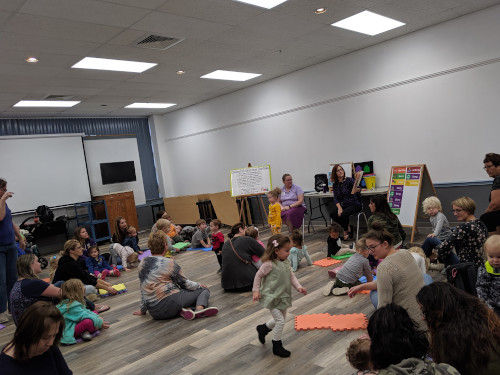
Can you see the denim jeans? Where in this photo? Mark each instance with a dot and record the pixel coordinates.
(429, 244)
(8, 273)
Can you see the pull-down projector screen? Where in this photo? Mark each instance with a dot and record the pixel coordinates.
(44, 170)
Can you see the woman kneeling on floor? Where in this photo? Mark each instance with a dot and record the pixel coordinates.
(165, 291)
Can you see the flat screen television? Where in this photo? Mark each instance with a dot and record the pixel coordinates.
(112, 173)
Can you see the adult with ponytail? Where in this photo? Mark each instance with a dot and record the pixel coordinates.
(399, 279)
(238, 272)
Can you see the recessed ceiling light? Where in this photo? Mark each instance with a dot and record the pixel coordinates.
(320, 11)
(32, 60)
(230, 76)
(368, 23)
(150, 105)
(111, 64)
(181, 72)
(45, 103)
(268, 4)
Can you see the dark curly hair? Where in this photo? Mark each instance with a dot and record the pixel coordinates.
(464, 331)
(394, 337)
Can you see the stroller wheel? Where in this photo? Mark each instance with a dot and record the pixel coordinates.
(43, 262)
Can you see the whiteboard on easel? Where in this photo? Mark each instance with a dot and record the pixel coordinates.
(251, 181)
(408, 187)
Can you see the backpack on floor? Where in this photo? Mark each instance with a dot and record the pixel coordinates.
(463, 276)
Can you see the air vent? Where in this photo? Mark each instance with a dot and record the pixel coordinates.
(58, 97)
(156, 42)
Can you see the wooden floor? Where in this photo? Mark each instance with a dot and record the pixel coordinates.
(225, 344)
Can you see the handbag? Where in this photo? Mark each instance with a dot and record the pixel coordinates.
(240, 258)
(463, 276)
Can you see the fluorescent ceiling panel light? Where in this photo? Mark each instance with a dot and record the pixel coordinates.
(45, 103)
(368, 23)
(111, 64)
(268, 4)
(230, 76)
(150, 105)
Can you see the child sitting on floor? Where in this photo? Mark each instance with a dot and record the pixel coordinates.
(298, 251)
(440, 226)
(358, 355)
(98, 266)
(355, 267)
(254, 233)
(164, 226)
(131, 240)
(488, 277)
(200, 237)
(217, 241)
(175, 231)
(79, 322)
(127, 255)
(334, 242)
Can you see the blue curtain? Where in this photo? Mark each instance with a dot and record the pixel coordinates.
(95, 126)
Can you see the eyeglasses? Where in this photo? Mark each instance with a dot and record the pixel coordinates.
(486, 167)
(457, 211)
(373, 247)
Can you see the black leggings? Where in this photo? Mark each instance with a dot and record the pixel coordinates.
(343, 219)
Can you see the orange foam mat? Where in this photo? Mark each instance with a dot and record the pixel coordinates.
(327, 262)
(334, 322)
(364, 292)
(313, 321)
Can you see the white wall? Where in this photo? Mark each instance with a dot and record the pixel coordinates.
(109, 150)
(429, 97)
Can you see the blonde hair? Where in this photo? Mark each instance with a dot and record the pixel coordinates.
(70, 245)
(432, 202)
(162, 224)
(274, 243)
(276, 192)
(23, 264)
(493, 242)
(132, 258)
(252, 232)
(157, 242)
(130, 229)
(360, 245)
(466, 204)
(420, 251)
(53, 262)
(72, 290)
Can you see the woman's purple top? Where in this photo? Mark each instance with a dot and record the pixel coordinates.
(292, 196)
(342, 193)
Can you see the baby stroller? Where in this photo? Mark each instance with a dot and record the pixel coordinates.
(32, 248)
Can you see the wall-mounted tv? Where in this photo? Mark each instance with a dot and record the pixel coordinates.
(112, 173)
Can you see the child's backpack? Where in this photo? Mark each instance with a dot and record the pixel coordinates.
(45, 214)
(463, 276)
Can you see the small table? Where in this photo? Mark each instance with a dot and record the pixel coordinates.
(320, 196)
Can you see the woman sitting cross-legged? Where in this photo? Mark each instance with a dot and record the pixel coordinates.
(165, 291)
(33, 349)
(28, 288)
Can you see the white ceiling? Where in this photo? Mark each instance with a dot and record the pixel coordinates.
(218, 34)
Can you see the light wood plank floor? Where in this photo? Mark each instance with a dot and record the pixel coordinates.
(225, 344)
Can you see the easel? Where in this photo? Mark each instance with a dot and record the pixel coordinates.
(244, 203)
(411, 184)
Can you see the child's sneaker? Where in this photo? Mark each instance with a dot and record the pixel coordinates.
(4, 318)
(327, 289)
(340, 291)
(187, 314)
(206, 312)
(86, 336)
(115, 272)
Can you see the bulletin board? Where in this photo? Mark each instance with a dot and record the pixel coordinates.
(251, 181)
(408, 187)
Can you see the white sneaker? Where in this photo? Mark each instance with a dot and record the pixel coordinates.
(340, 291)
(327, 289)
(4, 318)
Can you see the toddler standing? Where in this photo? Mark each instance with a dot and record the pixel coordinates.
(348, 276)
(217, 241)
(488, 277)
(98, 266)
(274, 218)
(440, 226)
(273, 288)
(79, 322)
(298, 251)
